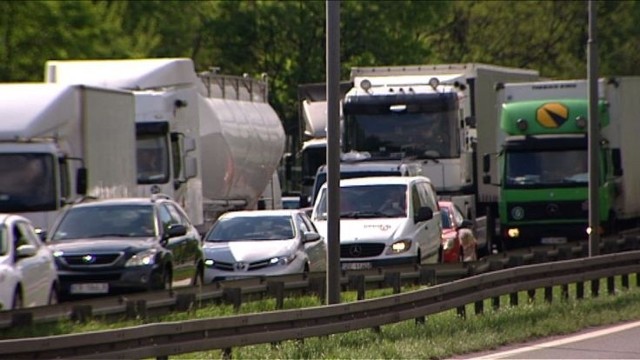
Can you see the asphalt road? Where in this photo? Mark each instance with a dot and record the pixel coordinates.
(620, 341)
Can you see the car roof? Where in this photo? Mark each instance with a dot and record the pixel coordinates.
(259, 213)
(4, 217)
(382, 180)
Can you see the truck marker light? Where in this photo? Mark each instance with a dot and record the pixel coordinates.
(581, 122)
(522, 124)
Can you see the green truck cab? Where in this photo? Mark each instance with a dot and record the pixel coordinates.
(542, 163)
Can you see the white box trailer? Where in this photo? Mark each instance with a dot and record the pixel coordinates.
(54, 130)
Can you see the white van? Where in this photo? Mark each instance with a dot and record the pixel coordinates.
(388, 220)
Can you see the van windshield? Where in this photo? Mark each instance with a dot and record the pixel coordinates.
(368, 201)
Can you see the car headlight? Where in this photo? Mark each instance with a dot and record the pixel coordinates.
(448, 243)
(400, 246)
(282, 260)
(209, 262)
(143, 258)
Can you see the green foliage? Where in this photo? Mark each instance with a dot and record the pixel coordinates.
(286, 39)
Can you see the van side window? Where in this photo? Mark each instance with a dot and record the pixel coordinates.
(416, 203)
(426, 199)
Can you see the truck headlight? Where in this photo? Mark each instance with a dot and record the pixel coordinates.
(400, 246)
(143, 258)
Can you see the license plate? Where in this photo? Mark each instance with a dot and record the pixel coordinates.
(92, 288)
(554, 240)
(356, 266)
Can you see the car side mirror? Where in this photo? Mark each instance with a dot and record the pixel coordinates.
(42, 234)
(311, 237)
(424, 213)
(466, 224)
(175, 230)
(24, 251)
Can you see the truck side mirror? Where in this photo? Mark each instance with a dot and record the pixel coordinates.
(304, 201)
(190, 167)
(486, 163)
(470, 121)
(288, 165)
(81, 181)
(616, 158)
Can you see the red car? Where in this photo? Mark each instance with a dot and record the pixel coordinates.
(458, 240)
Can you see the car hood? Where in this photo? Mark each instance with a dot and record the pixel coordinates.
(101, 245)
(248, 251)
(361, 230)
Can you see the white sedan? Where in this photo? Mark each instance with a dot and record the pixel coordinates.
(262, 243)
(28, 275)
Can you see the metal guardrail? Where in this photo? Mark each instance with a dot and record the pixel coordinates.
(164, 339)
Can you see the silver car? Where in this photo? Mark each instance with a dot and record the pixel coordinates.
(262, 243)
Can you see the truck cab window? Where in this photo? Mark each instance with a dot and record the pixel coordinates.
(26, 182)
(152, 159)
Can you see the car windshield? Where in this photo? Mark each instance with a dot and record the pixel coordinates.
(252, 228)
(446, 219)
(368, 201)
(120, 221)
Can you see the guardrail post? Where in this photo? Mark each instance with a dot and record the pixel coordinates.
(478, 307)
(186, 302)
(611, 285)
(513, 299)
(428, 276)
(580, 290)
(276, 289)
(356, 282)
(462, 311)
(531, 295)
(318, 285)
(21, 319)
(548, 294)
(81, 313)
(495, 302)
(595, 287)
(564, 291)
(625, 281)
(136, 309)
(232, 296)
(226, 354)
(393, 280)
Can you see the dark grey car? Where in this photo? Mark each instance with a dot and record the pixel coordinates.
(121, 245)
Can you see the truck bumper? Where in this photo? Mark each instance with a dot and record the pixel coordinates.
(518, 236)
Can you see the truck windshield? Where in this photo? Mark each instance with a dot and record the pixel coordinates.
(369, 201)
(404, 134)
(27, 182)
(544, 168)
(153, 158)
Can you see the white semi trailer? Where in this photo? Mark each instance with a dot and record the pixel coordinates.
(59, 143)
(217, 142)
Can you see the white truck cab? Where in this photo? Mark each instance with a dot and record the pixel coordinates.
(390, 220)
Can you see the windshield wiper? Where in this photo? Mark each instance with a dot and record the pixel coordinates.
(108, 235)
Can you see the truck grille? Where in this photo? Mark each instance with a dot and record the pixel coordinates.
(569, 210)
